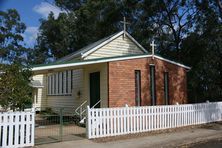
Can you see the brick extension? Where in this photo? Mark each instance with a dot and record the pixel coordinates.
(121, 82)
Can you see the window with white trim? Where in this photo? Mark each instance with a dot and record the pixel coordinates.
(60, 83)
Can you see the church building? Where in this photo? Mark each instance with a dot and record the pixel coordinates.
(111, 72)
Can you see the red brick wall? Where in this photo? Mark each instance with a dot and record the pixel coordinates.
(122, 82)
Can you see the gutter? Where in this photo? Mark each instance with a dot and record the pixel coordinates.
(96, 61)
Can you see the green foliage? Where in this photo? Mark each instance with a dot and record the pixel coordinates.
(168, 22)
(15, 92)
(84, 23)
(186, 31)
(203, 50)
(11, 28)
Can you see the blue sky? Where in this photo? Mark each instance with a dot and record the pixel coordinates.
(30, 12)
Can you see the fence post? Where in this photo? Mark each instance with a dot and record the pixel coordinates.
(208, 113)
(33, 126)
(61, 124)
(88, 123)
(127, 119)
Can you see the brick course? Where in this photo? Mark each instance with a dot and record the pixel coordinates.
(122, 82)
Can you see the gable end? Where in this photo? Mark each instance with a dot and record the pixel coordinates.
(118, 46)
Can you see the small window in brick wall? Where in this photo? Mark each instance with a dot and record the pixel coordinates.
(166, 88)
(60, 83)
(138, 87)
(152, 85)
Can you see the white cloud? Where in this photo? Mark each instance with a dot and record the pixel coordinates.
(30, 36)
(45, 8)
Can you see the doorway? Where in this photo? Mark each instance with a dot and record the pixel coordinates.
(94, 89)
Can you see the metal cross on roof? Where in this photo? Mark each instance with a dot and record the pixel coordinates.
(124, 25)
(153, 45)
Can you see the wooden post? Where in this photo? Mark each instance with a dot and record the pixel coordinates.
(88, 123)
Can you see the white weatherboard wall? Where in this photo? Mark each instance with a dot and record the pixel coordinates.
(81, 84)
(118, 47)
(17, 129)
(80, 91)
(41, 92)
(102, 68)
(68, 101)
(106, 122)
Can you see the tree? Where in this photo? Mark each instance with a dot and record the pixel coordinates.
(85, 22)
(187, 31)
(11, 28)
(203, 51)
(168, 22)
(15, 92)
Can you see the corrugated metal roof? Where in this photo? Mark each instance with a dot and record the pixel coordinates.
(89, 60)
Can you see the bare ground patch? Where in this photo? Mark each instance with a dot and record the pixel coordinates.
(213, 126)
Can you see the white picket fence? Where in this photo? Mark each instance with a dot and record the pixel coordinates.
(103, 122)
(17, 129)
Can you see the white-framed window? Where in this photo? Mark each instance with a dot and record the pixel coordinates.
(60, 83)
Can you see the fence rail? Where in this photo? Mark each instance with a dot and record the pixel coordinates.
(105, 122)
(17, 129)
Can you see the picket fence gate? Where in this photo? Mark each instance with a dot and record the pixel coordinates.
(17, 129)
(103, 122)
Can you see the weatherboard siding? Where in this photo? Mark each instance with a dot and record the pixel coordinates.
(80, 91)
(72, 101)
(41, 102)
(118, 47)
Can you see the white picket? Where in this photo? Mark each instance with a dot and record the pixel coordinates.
(33, 127)
(144, 119)
(134, 119)
(28, 128)
(17, 129)
(10, 128)
(5, 131)
(128, 120)
(111, 122)
(118, 121)
(101, 122)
